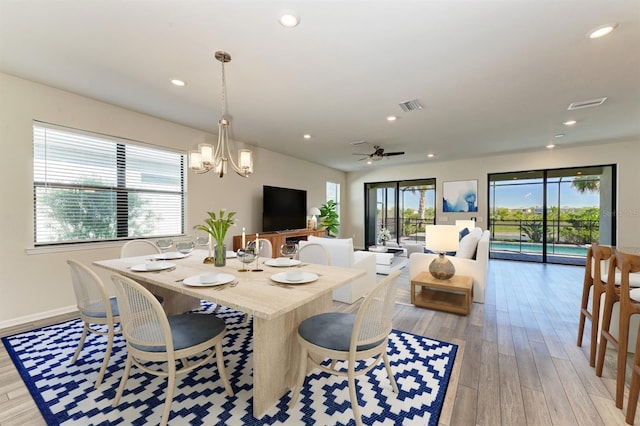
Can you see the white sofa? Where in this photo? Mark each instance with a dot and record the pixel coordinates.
(342, 254)
(476, 268)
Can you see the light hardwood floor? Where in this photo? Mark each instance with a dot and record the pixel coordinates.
(517, 363)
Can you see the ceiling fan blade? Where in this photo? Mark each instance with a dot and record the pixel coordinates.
(389, 154)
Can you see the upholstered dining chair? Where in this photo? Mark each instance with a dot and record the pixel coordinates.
(152, 336)
(349, 337)
(139, 248)
(314, 253)
(96, 308)
(264, 247)
(595, 278)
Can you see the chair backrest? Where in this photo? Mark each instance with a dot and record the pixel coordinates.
(143, 322)
(340, 249)
(314, 253)
(265, 249)
(601, 263)
(373, 321)
(91, 296)
(139, 248)
(627, 263)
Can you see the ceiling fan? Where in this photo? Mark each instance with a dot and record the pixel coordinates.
(378, 154)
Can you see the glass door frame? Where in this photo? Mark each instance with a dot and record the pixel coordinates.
(545, 175)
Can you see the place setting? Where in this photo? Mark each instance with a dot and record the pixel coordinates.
(294, 276)
(210, 279)
(153, 266)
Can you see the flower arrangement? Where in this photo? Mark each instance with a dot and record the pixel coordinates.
(384, 235)
(217, 226)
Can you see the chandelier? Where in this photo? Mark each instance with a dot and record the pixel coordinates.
(206, 158)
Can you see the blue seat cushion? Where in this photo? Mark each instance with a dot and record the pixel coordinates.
(96, 310)
(331, 330)
(189, 330)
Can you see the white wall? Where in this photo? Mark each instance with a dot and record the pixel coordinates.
(625, 154)
(33, 284)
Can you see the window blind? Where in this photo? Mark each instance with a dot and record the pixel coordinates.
(91, 187)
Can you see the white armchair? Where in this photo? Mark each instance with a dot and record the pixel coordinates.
(342, 254)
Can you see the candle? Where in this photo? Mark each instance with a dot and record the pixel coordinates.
(244, 240)
(210, 245)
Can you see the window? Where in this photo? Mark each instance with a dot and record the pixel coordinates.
(91, 187)
(333, 193)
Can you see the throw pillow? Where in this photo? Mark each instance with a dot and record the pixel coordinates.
(467, 247)
(462, 233)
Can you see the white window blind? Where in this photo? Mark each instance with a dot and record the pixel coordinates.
(90, 187)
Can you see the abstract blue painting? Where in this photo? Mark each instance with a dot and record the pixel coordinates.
(460, 196)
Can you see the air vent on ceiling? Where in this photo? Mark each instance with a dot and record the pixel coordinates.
(586, 104)
(358, 143)
(412, 105)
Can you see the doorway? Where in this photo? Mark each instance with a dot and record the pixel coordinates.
(552, 215)
(401, 207)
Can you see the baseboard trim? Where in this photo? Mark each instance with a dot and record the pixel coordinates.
(30, 322)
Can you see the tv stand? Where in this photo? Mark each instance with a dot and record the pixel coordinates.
(279, 238)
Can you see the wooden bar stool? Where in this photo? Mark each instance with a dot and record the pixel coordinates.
(597, 256)
(627, 263)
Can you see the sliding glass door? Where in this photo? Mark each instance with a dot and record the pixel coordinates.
(551, 215)
(402, 207)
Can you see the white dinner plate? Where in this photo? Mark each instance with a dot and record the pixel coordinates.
(194, 281)
(307, 277)
(282, 262)
(170, 255)
(152, 266)
(231, 254)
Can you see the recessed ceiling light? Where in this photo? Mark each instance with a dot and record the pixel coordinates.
(392, 118)
(178, 83)
(307, 136)
(570, 122)
(288, 19)
(430, 155)
(602, 30)
(550, 146)
(369, 161)
(559, 135)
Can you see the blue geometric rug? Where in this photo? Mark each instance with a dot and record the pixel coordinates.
(65, 395)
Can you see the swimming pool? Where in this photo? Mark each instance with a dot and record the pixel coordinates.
(560, 249)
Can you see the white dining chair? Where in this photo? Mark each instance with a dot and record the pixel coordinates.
(314, 253)
(135, 248)
(264, 247)
(96, 308)
(340, 336)
(152, 336)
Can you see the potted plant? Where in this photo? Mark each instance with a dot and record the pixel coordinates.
(216, 226)
(329, 218)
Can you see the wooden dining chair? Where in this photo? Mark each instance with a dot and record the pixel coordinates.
(595, 278)
(631, 263)
(348, 337)
(313, 253)
(152, 336)
(96, 308)
(614, 293)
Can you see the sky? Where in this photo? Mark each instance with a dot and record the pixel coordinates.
(519, 196)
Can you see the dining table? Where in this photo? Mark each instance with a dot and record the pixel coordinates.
(276, 305)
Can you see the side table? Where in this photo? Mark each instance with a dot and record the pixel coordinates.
(453, 295)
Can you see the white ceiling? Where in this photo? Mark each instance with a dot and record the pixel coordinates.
(493, 76)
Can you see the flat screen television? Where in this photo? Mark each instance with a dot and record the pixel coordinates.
(283, 209)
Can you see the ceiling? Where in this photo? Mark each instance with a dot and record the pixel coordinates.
(492, 76)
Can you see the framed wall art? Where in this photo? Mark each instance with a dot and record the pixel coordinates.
(460, 196)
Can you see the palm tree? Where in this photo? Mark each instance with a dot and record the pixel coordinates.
(584, 184)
